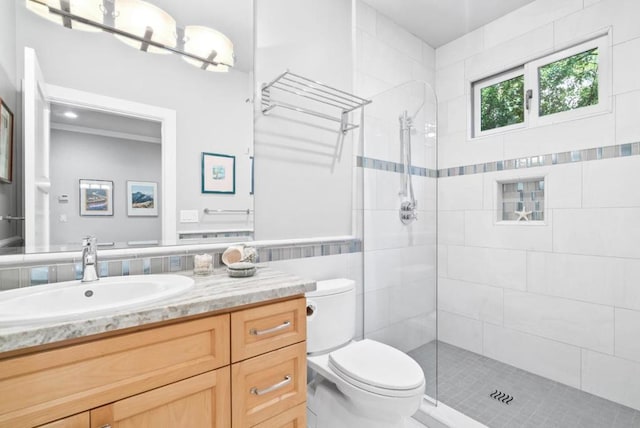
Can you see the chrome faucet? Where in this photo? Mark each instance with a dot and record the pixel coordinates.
(89, 259)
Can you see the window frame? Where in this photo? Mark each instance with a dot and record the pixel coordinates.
(604, 81)
(529, 68)
(479, 85)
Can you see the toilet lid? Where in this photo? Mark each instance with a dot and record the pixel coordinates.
(368, 362)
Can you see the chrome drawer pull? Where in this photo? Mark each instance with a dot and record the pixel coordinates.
(282, 326)
(256, 391)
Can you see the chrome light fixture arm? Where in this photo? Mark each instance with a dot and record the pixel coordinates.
(109, 26)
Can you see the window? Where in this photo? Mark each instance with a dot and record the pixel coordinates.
(562, 86)
(568, 83)
(500, 103)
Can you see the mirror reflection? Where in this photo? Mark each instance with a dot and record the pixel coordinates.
(115, 163)
(143, 193)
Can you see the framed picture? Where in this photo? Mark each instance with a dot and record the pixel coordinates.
(96, 197)
(218, 173)
(142, 198)
(6, 143)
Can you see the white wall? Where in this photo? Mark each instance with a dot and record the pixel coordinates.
(76, 156)
(212, 112)
(399, 260)
(303, 165)
(561, 299)
(8, 93)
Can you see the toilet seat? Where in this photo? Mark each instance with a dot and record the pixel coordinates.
(377, 368)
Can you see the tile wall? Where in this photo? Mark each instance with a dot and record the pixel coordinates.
(399, 260)
(560, 298)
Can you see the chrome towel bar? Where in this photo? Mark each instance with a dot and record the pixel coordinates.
(303, 87)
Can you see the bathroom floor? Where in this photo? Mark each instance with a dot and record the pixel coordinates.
(466, 380)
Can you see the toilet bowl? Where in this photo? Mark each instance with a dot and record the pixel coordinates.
(355, 383)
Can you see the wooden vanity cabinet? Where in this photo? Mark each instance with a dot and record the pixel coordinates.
(80, 420)
(178, 375)
(269, 362)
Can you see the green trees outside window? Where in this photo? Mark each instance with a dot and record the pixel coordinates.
(569, 83)
(502, 104)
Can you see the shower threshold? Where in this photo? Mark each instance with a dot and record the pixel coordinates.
(472, 384)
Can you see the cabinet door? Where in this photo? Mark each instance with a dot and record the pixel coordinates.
(80, 420)
(51, 385)
(203, 401)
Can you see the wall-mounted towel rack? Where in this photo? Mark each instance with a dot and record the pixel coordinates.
(210, 211)
(304, 87)
(9, 218)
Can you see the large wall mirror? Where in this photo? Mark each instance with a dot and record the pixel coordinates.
(136, 148)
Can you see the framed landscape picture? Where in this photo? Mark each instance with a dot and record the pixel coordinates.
(6, 143)
(142, 198)
(96, 197)
(218, 173)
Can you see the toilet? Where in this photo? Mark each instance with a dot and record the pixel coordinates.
(354, 383)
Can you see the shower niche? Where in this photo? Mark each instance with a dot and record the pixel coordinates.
(521, 200)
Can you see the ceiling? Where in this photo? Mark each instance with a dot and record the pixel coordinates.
(103, 123)
(438, 22)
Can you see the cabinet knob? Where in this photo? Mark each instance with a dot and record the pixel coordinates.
(106, 426)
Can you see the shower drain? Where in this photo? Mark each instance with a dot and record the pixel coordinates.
(501, 396)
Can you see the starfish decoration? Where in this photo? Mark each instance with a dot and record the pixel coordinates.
(523, 215)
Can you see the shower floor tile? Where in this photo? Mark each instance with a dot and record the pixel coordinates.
(466, 379)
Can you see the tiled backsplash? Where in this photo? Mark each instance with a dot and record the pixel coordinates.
(35, 275)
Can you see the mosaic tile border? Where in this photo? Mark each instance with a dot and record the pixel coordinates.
(584, 155)
(382, 165)
(25, 276)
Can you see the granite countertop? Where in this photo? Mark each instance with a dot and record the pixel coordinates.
(211, 293)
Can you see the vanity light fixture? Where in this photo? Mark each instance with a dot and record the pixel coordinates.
(87, 9)
(143, 26)
(147, 22)
(208, 43)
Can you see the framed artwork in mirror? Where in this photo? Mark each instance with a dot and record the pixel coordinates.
(142, 198)
(96, 197)
(6, 143)
(218, 173)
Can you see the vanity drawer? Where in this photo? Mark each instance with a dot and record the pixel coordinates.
(292, 418)
(92, 374)
(259, 330)
(266, 386)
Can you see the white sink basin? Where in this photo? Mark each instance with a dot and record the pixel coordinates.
(71, 300)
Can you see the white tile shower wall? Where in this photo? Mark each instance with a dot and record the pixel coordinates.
(571, 306)
(538, 355)
(399, 277)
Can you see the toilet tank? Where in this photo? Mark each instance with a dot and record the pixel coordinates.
(331, 315)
